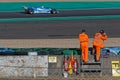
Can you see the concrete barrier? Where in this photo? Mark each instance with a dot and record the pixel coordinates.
(23, 66)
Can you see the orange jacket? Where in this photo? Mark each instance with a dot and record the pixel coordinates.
(83, 38)
(99, 40)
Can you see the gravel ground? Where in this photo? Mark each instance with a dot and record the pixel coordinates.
(51, 43)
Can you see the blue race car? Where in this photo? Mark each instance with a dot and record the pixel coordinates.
(41, 9)
(4, 50)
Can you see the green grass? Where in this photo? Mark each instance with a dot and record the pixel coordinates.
(58, 18)
(17, 6)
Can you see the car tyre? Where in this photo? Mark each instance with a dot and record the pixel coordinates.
(31, 11)
(53, 11)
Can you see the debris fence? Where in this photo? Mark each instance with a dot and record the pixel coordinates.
(55, 71)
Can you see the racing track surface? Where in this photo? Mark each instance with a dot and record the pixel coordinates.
(63, 13)
(58, 29)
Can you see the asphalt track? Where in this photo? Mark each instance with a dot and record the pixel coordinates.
(63, 13)
(59, 29)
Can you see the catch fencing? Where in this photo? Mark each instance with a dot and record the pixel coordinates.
(56, 71)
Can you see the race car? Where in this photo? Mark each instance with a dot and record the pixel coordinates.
(111, 50)
(40, 9)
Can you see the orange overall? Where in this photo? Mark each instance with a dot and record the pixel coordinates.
(83, 38)
(98, 43)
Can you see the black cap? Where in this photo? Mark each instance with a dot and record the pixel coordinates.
(83, 30)
(101, 31)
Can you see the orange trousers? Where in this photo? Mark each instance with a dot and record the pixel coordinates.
(97, 49)
(84, 53)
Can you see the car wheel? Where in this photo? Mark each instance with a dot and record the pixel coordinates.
(31, 11)
(53, 11)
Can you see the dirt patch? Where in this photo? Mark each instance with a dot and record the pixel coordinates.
(51, 43)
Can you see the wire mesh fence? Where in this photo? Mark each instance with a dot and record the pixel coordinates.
(105, 73)
(56, 71)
